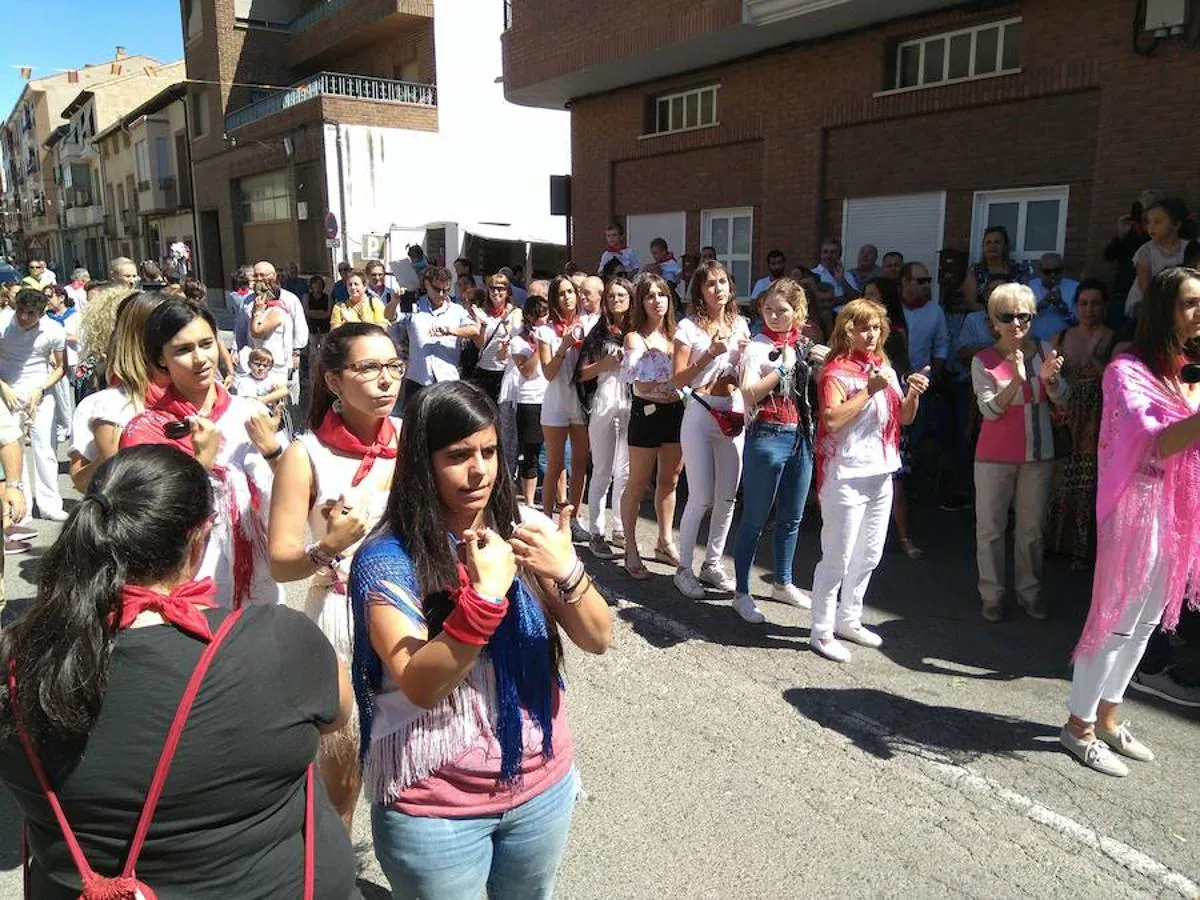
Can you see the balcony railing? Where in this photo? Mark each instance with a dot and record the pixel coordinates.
(129, 219)
(334, 84)
(83, 216)
(143, 185)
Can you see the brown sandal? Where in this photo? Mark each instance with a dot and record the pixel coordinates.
(637, 569)
(667, 553)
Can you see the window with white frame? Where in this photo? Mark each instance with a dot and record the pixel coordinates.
(141, 157)
(1035, 219)
(684, 110)
(991, 49)
(729, 232)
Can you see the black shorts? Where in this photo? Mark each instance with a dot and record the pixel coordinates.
(660, 427)
(529, 423)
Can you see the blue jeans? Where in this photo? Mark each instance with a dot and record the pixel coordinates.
(776, 467)
(515, 854)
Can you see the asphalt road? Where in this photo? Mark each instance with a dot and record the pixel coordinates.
(721, 759)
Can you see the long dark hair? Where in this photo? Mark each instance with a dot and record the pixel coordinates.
(602, 331)
(896, 346)
(335, 348)
(154, 499)
(439, 416)
(1156, 341)
(171, 317)
(555, 311)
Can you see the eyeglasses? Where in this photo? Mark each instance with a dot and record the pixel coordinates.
(1057, 271)
(367, 369)
(439, 288)
(497, 287)
(1008, 318)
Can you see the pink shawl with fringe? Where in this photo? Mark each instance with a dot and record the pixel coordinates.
(1147, 507)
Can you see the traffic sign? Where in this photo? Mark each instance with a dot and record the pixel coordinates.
(331, 225)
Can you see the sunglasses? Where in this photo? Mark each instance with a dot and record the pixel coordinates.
(1008, 318)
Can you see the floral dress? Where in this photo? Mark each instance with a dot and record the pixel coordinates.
(1072, 515)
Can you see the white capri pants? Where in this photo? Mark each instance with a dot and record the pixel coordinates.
(608, 435)
(855, 513)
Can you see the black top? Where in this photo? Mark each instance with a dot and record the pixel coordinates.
(230, 820)
(318, 302)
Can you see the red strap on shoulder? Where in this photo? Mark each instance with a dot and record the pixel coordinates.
(173, 736)
(86, 873)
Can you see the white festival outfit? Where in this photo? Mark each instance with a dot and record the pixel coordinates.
(854, 476)
(713, 462)
(608, 437)
(561, 406)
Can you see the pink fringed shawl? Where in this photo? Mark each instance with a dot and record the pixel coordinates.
(1147, 507)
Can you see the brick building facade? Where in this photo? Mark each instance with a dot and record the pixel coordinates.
(910, 121)
(268, 75)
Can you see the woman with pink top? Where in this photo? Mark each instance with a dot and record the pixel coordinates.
(1015, 381)
(1148, 516)
(708, 348)
(863, 408)
(460, 599)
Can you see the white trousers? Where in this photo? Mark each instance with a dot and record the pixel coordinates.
(714, 465)
(608, 434)
(854, 523)
(1026, 488)
(41, 478)
(1106, 674)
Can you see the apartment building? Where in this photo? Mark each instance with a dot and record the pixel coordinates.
(87, 219)
(34, 155)
(349, 128)
(911, 124)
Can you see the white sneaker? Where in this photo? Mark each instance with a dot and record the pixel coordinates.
(791, 595)
(830, 649)
(864, 637)
(748, 609)
(1093, 753)
(687, 584)
(715, 576)
(55, 515)
(1123, 742)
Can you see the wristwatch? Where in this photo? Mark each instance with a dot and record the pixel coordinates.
(14, 486)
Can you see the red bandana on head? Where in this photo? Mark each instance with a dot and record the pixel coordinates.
(332, 432)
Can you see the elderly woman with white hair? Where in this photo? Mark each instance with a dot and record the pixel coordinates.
(1015, 380)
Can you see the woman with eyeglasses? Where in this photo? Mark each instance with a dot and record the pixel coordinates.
(997, 266)
(330, 490)
(1016, 381)
(498, 320)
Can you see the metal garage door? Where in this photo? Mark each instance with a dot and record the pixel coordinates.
(910, 223)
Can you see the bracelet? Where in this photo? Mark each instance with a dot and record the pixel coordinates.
(14, 486)
(319, 557)
(567, 585)
(781, 370)
(274, 454)
(573, 599)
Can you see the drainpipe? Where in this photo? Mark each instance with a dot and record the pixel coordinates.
(342, 197)
(197, 252)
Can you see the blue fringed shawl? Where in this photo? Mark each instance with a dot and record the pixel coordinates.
(519, 653)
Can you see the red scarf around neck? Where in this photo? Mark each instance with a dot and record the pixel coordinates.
(618, 249)
(178, 608)
(332, 432)
(783, 338)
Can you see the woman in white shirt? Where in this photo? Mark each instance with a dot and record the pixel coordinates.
(708, 347)
(606, 396)
(531, 391)
(858, 449)
(497, 320)
(562, 414)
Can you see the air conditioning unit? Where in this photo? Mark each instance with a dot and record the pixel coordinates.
(1166, 17)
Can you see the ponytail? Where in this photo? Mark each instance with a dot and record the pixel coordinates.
(135, 526)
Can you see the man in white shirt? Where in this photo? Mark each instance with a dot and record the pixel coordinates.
(928, 340)
(614, 237)
(430, 335)
(1055, 299)
(32, 348)
(830, 270)
(776, 266)
(857, 278)
(591, 297)
(77, 288)
(264, 274)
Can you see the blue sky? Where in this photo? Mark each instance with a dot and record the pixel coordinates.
(77, 32)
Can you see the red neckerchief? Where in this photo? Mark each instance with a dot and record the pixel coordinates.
(857, 366)
(177, 607)
(618, 249)
(561, 328)
(332, 432)
(783, 339)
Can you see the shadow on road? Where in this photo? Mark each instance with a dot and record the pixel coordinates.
(885, 725)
